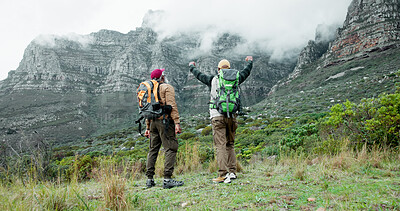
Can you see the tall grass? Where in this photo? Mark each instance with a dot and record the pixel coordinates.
(41, 196)
(109, 190)
(346, 160)
(188, 160)
(112, 178)
(159, 167)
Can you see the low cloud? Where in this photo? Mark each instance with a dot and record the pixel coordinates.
(279, 27)
(51, 40)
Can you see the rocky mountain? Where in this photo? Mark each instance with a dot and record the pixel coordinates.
(67, 88)
(370, 25)
(360, 61)
(314, 49)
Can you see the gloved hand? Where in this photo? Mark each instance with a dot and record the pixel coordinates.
(249, 58)
(192, 63)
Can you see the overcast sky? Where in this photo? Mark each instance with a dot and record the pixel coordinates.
(280, 25)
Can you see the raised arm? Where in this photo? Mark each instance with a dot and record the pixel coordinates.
(204, 78)
(246, 71)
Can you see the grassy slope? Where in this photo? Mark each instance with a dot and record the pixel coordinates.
(270, 186)
(348, 181)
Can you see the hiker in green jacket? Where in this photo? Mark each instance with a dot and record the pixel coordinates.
(224, 125)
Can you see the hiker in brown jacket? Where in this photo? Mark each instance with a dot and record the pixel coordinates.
(162, 131)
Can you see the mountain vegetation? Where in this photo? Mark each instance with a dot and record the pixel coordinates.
(330, 160)
(322, 132)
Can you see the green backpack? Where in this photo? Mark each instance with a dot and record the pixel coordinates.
(227, 101)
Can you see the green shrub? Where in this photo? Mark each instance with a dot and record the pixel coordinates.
(206, 153)
(206, 131)
(200, 126)
(297, 137)
(187, 135)
(373, 121)
(247, 153)
(248, 120)
(281, 123)
(330, 146)
(78, 167)
(246, 131)
(130, 143)
(270, 150)
(123, 153)
(95, 154)
(206, 139)
(255, 139)
(291, 142)
(240, 121)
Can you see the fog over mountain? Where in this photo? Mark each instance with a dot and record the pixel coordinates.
(277, 26)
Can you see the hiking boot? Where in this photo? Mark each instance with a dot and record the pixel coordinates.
(232, 175)
(227, 179)
(222, 179)
(170, 183)
(218, 179)
(150, 183)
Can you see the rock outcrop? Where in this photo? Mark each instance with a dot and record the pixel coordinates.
(315, 48)
(370, 25)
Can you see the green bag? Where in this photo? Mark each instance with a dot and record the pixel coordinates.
(228, 98)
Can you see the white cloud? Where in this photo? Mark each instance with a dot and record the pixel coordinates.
(49, 40)
(278, 25)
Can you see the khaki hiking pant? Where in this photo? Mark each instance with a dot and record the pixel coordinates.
(158, 137)
(224, 139)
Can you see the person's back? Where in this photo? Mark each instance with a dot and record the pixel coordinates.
(224, 127)
(162, 131)
(167, 97)
(212, 80)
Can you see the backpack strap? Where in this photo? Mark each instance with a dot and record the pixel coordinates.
(155, 89)
(149, 91)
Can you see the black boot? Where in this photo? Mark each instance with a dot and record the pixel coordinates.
(170, 183)
(150, 183)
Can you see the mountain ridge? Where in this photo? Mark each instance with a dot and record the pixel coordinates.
(82, 85)
(69, 88)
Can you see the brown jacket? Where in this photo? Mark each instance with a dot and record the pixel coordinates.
(167, 97)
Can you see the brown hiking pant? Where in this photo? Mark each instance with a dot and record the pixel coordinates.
(158, 137)
(224, 139)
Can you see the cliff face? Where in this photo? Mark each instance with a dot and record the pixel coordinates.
(359, 61)
(370, 25)
(72, 87)
(315, 48)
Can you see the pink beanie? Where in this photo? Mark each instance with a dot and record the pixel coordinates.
(155, 74)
